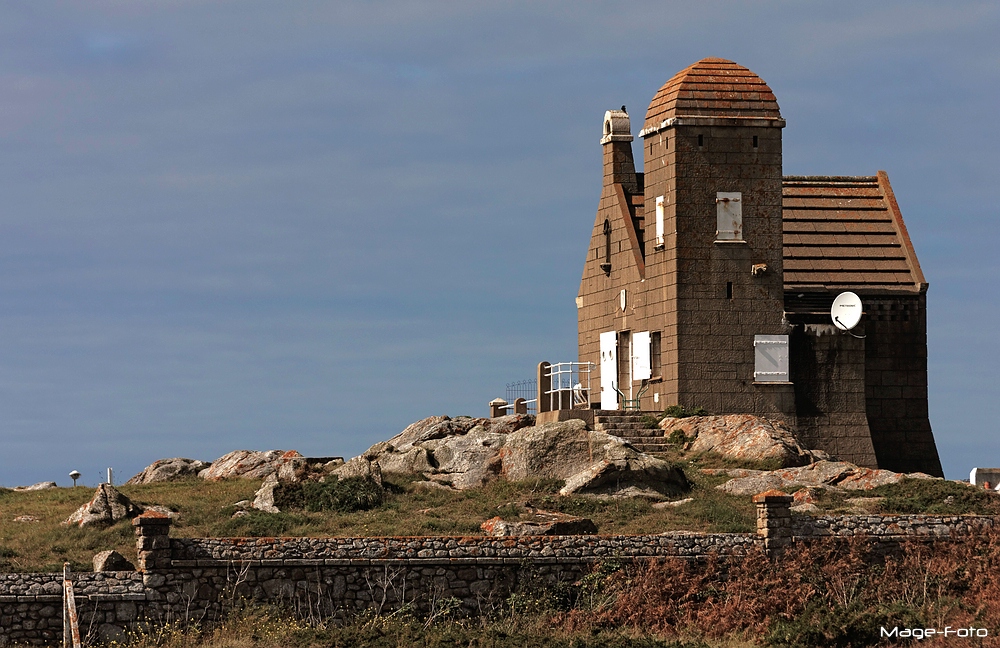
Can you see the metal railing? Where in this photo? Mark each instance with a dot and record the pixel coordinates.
(568, 386)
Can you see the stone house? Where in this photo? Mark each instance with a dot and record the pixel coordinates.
(710, 276)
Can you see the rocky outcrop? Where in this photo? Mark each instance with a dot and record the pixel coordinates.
(165, 470)
(111, 560)
(107, 506)
(464, 453)
(253, 464)
(744, 437)
(835, 475)
(36, 487)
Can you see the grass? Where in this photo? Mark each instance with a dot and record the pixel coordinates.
(206, 510)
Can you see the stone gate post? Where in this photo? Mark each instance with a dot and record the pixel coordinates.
(152, 540)
(774, 519)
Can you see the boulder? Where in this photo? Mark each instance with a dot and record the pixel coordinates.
(557, 450)
(541, 524)
(111, 560)
(36, 487)
(264, 497)
(107, 506)
(744, 437)
(590, 462)
(165, 470)
(467, 461)
(251, 464)
(835, 475)
(359, 467)
(639, 476)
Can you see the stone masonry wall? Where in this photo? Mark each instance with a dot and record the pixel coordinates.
(198, 579)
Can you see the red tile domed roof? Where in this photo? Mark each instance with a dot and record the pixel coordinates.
(713, 87)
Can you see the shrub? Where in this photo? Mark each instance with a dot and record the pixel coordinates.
(649, 421)
(679, 411)
(342, 495)
(677, 437)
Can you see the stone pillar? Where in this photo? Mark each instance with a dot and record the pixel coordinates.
(544, 385)
(520, 406)
(498, 407)
(152, 541)
(774, 519)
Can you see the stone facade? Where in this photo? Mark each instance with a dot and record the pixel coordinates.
(681, 296)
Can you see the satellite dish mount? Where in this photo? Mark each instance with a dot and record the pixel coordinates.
(846, 312)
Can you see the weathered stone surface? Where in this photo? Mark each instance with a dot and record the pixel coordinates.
(111, 560)
(106, 507)
(557, 450)
(264, 498)
(745, 437)
(465, 453)
(640, 475)
(837, 475)
(470, 460)
(674, 504)
(26, 518)
(540, 523)
(359, 467)
(165, 470)
(163, 510)
(249, 464)
(35, 487)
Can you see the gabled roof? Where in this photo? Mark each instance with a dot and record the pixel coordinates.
(846, 233)
(713, 87)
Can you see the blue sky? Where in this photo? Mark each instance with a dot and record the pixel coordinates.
(241, 224)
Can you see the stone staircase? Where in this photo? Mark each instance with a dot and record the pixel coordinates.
(629, 426)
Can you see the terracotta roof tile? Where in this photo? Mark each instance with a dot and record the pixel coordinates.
(843, 233)
(713, 87)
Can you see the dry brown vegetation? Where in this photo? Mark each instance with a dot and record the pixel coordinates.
(818, 595)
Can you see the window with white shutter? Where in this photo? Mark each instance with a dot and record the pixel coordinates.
(770, 353)
(729, 216)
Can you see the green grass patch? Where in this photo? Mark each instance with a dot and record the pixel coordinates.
(936, 497)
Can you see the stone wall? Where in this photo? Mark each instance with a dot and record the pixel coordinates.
(198, 579)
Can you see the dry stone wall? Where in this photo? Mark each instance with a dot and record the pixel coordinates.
(198, 579)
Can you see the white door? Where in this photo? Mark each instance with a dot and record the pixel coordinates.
(609, 370)
(641, 368)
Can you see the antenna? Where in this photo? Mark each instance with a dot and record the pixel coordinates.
(74, 475)
(846, 312)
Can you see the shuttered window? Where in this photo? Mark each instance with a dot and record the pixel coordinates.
(729, 216)
(770, 358)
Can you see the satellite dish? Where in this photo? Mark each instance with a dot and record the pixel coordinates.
(846, 311)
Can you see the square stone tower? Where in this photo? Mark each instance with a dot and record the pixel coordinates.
(712, 149)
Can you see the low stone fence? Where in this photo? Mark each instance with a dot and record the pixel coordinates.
(198, 579)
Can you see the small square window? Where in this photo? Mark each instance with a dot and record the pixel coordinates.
(770, 358)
